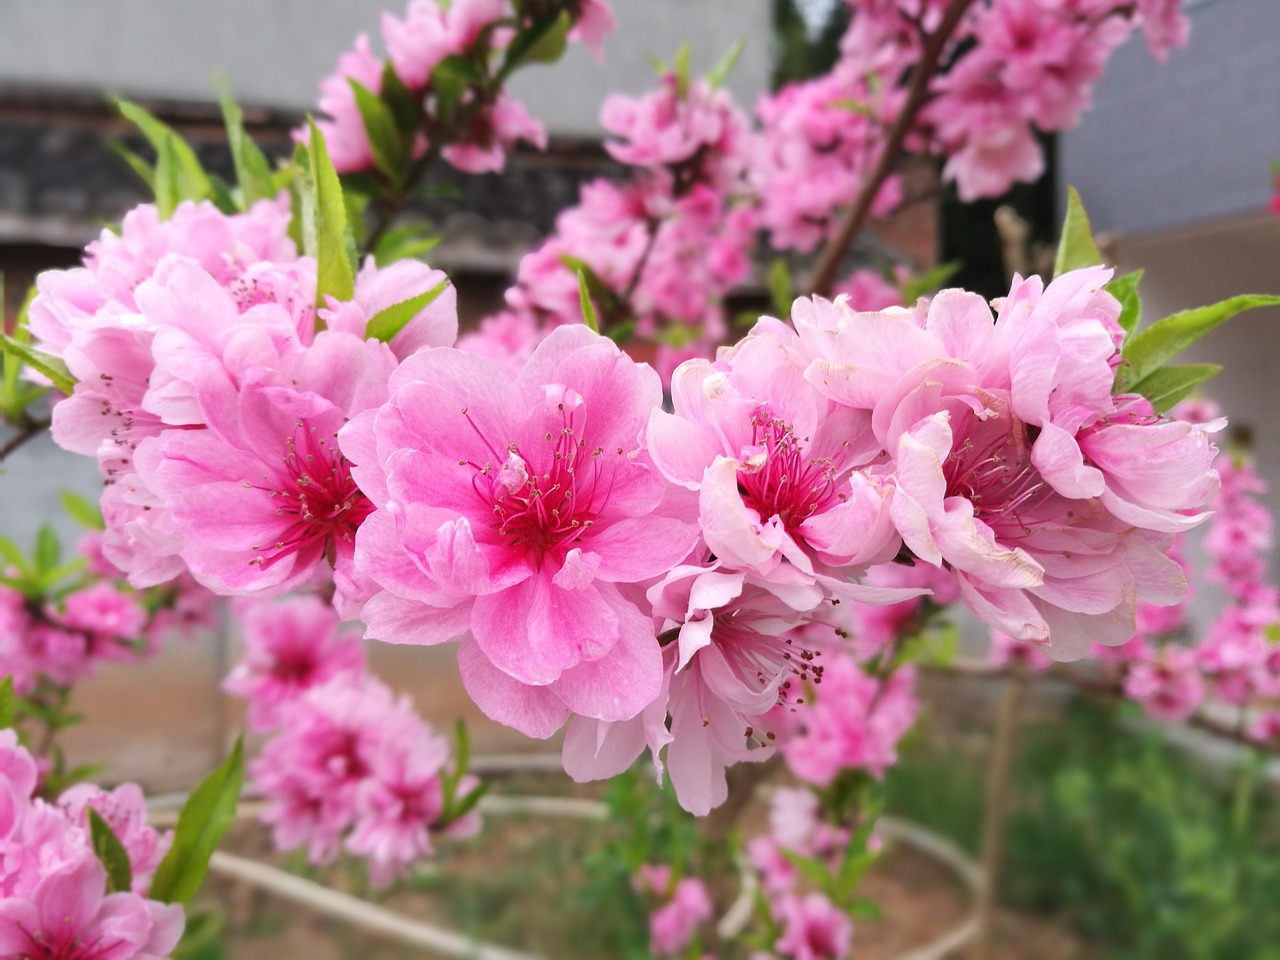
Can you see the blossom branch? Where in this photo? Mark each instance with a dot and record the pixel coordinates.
(27, 430)
(824, 274)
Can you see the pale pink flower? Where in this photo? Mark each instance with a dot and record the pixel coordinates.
(291, 646)
(868, 291)
(507, 338)
(514, 512)
(673, 925)
(595, 22)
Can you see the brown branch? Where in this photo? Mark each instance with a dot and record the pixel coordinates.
(824, 274)
(993, 821)
(28, 429)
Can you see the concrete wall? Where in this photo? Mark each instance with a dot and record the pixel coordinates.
(1173, 144)
(274, 52)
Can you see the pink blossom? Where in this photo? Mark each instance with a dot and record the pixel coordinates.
(125, 811)
(507, 338)
(1006, 651)
(291, 646)
(516, 512)
(855, 722)
(868, 291)
(813, 928)
(68, 916)
(773, 463)
(673, 925)
(595, 22)
(678, 125)
(1012, 464)
(1168, 685)
(353, 761)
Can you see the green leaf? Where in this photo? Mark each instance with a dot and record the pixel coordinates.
(450, 79)
(166, 186)
(222, 195)
(718, 74)
(780, 288)
(404, 243)
(205, 817)
(864, 910)
(8, 703)
(82, 510)
(51, 367)
(253, 172)
(681, 68)
(588, 308)
(139, 166)
(404, 106)
(48, 550)
(384, 138)
(1153, 346)
(1076, 248)
(192, 181)
(1125, 289)
(916, 287)
(469, 802)
(1166, 386)
(111, 852)
(13, 556)
(542, 42)
(385, 324)
(325, 226)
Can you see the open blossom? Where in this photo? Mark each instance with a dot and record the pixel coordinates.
(679, 909)
(353, 765)
(342, 126)
(54, 903)
(733, 662)
(291, 646)
(773, 462)
(519, 513)
(691, 124)
(1049, 500)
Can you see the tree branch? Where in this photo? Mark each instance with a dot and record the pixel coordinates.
(27, 429)
(824, 274)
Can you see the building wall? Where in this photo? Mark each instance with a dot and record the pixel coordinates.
(1173, 144)
(274, 52)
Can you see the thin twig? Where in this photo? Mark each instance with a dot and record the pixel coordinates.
(28, 429)
(824, 274)
(997, 801)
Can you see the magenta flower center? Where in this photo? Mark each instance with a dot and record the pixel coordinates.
(778, 480)
(318, 503)
(544, 500)
(992, 469)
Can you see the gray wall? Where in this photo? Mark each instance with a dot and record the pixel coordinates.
(1194, 138)
(275, 51)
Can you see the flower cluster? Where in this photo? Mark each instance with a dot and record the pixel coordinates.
(606, 559)
(209, 398)
(55, 896)
(808, 925)
(349, 765)
(664, 247)
(680, 906)
(469, 32)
